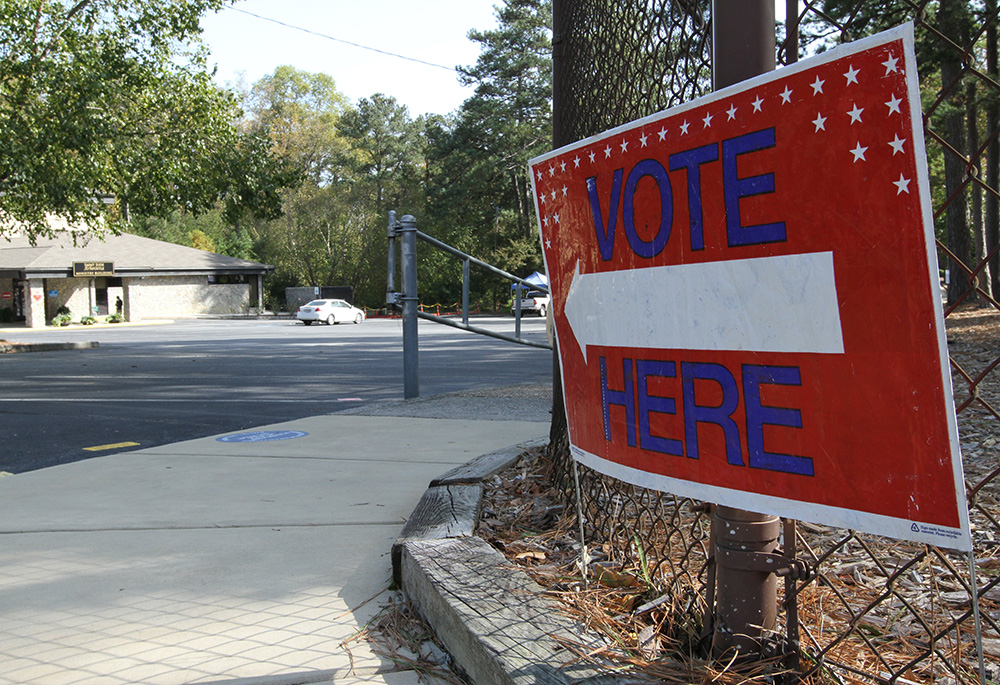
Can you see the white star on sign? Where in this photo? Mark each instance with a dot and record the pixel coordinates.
(576, 161)
(548, 244)
(642, 139)
(540, 175)
(859, 153)
(545, 221)
(851, 75)
(786, 95)
(624, 145)
(591, 155)
(856, 114)
(552, 170)
(607, 152)
(897, 145)
(553, 194)
(564, 189)
(893, 105)
(662, 133)
(555, 217)
(684, 128)
(757, 103)
(708, 120)
(562, 166)
(817, 86)
(819, 122)
(890, 65)
(731, 112)
(542, 198)
(902, 185)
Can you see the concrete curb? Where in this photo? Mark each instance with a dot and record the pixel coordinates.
(12, 348)
(20, 329)
(491, 617)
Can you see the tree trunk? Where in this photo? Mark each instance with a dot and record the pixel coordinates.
(953, 131)
(975, 190)
(992, 208)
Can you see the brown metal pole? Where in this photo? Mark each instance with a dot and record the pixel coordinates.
(558, 430)
(560, 74)
(743, 45)
(791, 31)
(743, 41)
(746, 598)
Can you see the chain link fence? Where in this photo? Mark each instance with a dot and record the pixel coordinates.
(873, 609)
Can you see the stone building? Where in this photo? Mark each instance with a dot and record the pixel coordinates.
(152, 278)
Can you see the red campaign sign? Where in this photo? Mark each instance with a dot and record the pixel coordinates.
(745, 294)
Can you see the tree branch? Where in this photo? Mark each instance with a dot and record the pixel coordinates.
(78, 7)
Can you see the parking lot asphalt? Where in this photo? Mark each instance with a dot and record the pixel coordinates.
(150, 384)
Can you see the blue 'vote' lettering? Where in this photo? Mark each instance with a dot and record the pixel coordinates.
(691, 161)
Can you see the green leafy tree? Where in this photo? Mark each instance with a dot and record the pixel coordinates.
(358, 161)
(479, 191)
(111, 99)
(181, 226)
(385, 152)
(317, 241)
(384, 169)
(299, 112)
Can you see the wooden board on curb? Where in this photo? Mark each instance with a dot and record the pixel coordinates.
(442, 512)
(492, 617)
(485, 466)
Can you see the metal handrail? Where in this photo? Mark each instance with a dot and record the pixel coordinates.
(406, 230)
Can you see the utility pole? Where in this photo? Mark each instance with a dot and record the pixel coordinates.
(746, 595)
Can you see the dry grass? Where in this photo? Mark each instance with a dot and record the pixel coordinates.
(649, 634)
(399, 635)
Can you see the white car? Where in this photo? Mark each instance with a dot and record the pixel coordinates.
(329, 311)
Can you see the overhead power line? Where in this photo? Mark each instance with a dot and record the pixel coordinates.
(341, 40)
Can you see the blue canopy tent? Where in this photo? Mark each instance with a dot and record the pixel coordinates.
(536, 278)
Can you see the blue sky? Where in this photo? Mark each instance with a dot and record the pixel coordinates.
(433, 31)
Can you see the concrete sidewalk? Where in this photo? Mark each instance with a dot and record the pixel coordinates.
(231, 562)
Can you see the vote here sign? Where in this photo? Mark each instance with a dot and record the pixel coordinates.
(745, 294)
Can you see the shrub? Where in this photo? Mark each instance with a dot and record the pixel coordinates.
(61, 320)
(63, 310)
(115, 318)
(88, 321)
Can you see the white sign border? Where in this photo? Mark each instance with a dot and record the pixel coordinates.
(951, 538)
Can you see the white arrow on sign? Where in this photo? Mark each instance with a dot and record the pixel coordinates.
(767, 304)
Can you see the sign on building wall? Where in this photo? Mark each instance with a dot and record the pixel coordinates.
(93, 269)
(745, 294)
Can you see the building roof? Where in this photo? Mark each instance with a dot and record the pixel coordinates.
(132, 255)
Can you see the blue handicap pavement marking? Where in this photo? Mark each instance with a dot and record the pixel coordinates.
(262, 436)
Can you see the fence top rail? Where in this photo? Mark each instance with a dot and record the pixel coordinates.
(478, 262)
(482, 331)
